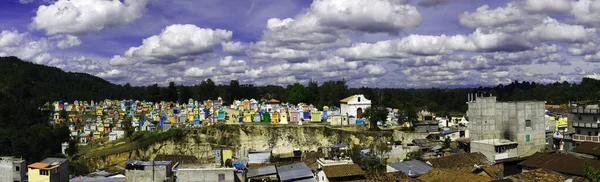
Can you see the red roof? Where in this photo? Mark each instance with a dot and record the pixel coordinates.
(273, 101)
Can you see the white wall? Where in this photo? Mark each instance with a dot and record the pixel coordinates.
(321, 177)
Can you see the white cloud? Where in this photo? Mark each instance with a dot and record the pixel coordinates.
(82, 16)
(175, 43)
(228, 61)
(552, 30)
(367, 16)
(66, 41)
(233, 47)
(587, 12)
(111, 74)
(24, 46)
(553, 6)
(198, 72)
(485, 17)
(375, 69)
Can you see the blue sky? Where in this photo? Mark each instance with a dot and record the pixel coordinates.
(378, 43)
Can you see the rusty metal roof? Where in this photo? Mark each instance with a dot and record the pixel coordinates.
(563, 163)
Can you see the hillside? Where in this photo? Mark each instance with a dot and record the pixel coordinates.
(39, 83)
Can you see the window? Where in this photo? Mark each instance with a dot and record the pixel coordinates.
(17, 168)
(589, 133)
(528, 123)
(358, 99)
(43, 172)
(527, 138)
(579, 132)
(595, 119)
(579, 118)
(221, 177)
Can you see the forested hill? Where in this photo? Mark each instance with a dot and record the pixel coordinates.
(34, 82)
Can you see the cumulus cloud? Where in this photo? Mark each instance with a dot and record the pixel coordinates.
(175, 43)
(24, 46)
(552, 30)
(82, 16)
(66, 41)
(367, 16)
(235, 48)
(327, 24)
(587, 12)
(486, 17)
(554, 6)
(198, 72)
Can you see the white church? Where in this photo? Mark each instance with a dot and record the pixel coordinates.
(354, 105)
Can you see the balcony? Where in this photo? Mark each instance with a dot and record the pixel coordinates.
(585, 138)
(585, 111)
(586, 125)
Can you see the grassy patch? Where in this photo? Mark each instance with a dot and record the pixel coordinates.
(139, 140)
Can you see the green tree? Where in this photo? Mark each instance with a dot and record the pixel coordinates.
(63, 115)
(172, 92)
(234, 91)
(591, 173)
(375, 114)
(297, 93)
(447, 142)
(415, 155)
(128, 127)
(72, 149)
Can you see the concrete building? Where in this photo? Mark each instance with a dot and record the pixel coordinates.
(50, 170)
(354, 105)
(12, 169)
(584, 121)
(149, 171)
(505, 130)
(189, 173)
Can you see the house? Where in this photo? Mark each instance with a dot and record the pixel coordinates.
(283, 116)
(315, 116)
(565, 164)
(295, 172)
(412, 168)
(193, 172)
(426, 126)
(450, 175)
(345, 172)
(266, 173)
(537, 175)
(354, 105)
(49, 169)
(275, 118)
(505, 130)
(464, 162)
(154, 171)
(584, 120)
(452, 134)
(13, 169)
(258, 157)
(294, 115)
(115, 134)
(590, 148)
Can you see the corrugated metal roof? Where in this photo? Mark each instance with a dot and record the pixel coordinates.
(294, 171)
(149, 163)
(588, 148)
(415, 166)
(563, 163)
(262, 171)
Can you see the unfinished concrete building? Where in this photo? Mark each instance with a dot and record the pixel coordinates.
(505, 130)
